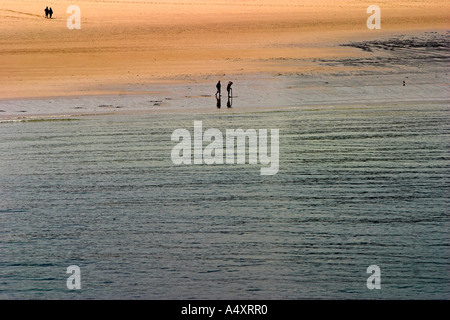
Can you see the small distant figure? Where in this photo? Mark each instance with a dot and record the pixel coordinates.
(404, 83)
(218, 86)
(50, 12)
(229, 90)
(46, 12)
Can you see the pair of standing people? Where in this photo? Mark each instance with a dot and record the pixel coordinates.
(229, 89)
(48, 12)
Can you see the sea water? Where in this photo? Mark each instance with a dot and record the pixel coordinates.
(357, 186)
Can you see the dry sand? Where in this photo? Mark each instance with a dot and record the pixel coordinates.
(166, 56)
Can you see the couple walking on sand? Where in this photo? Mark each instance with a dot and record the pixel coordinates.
(48, 13)
(229, 90)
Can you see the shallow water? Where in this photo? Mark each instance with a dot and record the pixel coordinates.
(357, 186)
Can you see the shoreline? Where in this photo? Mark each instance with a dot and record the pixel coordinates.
(319, 106)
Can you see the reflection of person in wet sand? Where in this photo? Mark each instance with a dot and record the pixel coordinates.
(219, 101)
(229, 89)
(230, 102)
(218, 86)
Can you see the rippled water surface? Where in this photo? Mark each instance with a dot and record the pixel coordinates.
(357, 186)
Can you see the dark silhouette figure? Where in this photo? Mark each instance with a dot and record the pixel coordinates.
(218, 86)
(229, 89)
(50, 12)
(219, 102)
(46, 12)
(230, 102)
(404, 83)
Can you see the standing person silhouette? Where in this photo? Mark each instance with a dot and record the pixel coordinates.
(50, 12)
(218, 86)
(230, 91)
(46, 12)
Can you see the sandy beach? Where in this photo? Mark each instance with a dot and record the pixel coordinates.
(132, 56)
